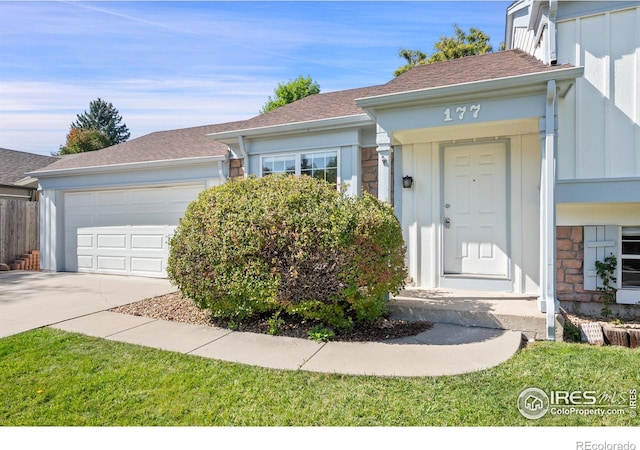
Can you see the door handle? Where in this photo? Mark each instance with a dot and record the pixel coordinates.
(447, 222)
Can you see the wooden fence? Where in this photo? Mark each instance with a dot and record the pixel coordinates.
(19, 229)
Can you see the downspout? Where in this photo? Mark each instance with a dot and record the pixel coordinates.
(221, 174)
(552, 50)
(245, 156)
(549, 213)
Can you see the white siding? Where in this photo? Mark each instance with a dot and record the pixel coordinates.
(599, 119)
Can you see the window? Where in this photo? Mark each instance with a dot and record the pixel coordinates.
(321, 165)
(630, 258)
(278, 164)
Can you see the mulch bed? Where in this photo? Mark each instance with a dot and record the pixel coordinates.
(176, 308)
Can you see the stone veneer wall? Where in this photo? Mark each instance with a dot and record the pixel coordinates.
(570, 266)
(370, 170)
(236, 168)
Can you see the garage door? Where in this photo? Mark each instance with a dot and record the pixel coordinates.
(123, 231)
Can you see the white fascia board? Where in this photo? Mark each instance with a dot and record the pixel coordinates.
(161, 164)
(504, 86)
(296, 127)
(28, 182)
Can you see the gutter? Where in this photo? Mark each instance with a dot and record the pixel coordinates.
(331, 123)
(497, 84)
(548, 214)
(165, 163)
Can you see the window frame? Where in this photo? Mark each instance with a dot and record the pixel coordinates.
(628, 294)
(297, 155)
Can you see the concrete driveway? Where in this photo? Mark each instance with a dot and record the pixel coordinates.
(31, 300)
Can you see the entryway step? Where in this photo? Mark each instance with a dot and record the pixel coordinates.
(474, 309)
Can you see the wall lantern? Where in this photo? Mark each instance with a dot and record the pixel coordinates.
(407, 182)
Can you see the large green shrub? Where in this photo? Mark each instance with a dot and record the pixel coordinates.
(285, 243)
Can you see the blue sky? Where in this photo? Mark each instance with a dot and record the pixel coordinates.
(168, 65)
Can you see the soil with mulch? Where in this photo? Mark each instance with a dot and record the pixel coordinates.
(176, 308)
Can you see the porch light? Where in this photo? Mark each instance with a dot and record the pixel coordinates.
(407, 182)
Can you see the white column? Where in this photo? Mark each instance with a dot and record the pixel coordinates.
(48, 229)
(383, 142)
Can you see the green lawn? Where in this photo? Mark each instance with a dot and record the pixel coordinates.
(50, 377)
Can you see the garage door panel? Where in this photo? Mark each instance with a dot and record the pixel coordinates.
(111, 241)
(107, 198)
(76, 200)
(112, 263)
(147, 265)
(144, 218)
(86, 262)
(147, 242)
(85, 240)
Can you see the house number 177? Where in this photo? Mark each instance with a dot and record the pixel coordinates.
(461, 111)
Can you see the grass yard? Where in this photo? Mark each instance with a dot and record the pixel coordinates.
(50, 377)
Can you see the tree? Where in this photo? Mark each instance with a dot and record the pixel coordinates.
(104, 117)
(80, 140)
(475, 42)
(289, 92)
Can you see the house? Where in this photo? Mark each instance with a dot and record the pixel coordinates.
(511, 171)
(13, 167)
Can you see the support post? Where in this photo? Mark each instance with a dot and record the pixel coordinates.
(383, 142)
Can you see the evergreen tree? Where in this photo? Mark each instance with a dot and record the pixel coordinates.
(104, 117)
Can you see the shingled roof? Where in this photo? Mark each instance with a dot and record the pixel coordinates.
(158, 146)
(490, 66)
(193, 142)
(14, 164)
(470, 69)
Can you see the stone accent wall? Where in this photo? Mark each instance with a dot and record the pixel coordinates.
(370, 170)
(236, 168)
(570, 266)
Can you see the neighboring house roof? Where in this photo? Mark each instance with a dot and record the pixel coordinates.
(318, 108)
(15, 164)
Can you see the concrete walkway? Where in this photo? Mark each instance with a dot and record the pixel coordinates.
(79, 303)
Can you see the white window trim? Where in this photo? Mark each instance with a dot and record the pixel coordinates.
(298, 158)
(625, 296)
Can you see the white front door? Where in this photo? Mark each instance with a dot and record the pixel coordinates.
(475, 226)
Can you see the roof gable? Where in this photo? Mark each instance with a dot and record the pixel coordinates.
(470, 69)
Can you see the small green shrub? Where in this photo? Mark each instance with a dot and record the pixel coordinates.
(571, 332)
(320, 333)
(606, 272)
(291, 244)
(275, 322)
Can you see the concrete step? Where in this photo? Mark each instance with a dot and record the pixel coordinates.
(474, 309)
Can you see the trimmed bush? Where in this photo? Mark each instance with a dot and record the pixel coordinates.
(285, 243)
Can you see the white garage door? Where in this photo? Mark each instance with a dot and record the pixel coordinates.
(123, 231)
